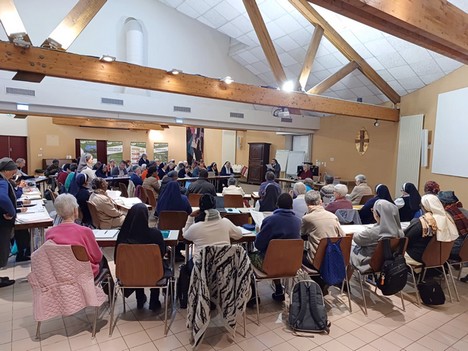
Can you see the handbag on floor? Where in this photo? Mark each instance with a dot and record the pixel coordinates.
(431, 293)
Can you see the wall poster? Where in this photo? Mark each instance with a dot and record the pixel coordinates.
(195, 143)
(161, 151)
(115, 151)
(136, 150)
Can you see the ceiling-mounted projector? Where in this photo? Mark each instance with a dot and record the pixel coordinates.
(281, 112)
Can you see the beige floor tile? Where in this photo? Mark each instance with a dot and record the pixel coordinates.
(270, 339)
(363, 334)
(409, 332)
(82, 341)
(398, 339)
(117, 344)
(129, 328)
(252, 344)
(351, 341)
(302, 343)
(145, 347)
(5, 337)
(59, 346)
(157, 333)
(25, 344)
(384, 345)
(461, 345)
(136, 339)
(432, 343)
(168, 343)
(334, 345)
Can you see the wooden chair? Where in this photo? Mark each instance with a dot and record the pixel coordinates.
(233, 201)
(194, 199)
(140, 266)
(462, 257)
(123, 189)
(286, 251)
(172, 220)
(151, 196)
(345, 245)
(436, 255)
(141, 193)
(237, 218)
(365, 198)
(376, 263)
(94, 215)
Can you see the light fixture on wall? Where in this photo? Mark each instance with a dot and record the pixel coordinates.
(175, 71)
(227, 80)
(107, 58)
(376, 123)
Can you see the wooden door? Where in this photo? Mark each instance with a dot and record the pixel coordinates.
(259, 154)
(14, 147)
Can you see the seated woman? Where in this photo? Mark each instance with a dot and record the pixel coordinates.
(270, 199)
(172, 200)
(431, 187)
(434, 221)
(70, 233)
(213, 167)
(382, 193)
(103, 171)
(388, 226)
(409, 203)
(232, 188)
(108, 214)
(82, 196)
(135, 230)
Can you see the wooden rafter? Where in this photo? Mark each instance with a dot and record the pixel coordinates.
(435, 25)
(265, 41)
(12, 23)
(334, 78)
(106, 123)
(314, 17)
(73, 66)
(310, 56)
(73, 24)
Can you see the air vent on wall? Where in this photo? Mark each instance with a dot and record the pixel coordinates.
(236, 115)
(18, 91)
(288, 120)
(112, 101)
(182, 109)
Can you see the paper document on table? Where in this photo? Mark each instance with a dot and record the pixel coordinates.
(105, 234)
(257, 217)
(244, 231)
(32, 217)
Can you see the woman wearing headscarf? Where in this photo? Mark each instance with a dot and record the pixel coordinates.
(434, 221)
(102, 171)
(135, 230)
(270, 199)
(213, 167)
(109, 215)
(86, 166)
(409, 203)
(387, 226)
(382, 193)
(172, 200)
(454, 209)
(82, 197)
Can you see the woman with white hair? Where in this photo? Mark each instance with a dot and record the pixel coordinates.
(299, 204)
(361, 189)
(70, 233)
(340, 202)
(434, 221)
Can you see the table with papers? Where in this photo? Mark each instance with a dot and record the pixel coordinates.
(36, 217)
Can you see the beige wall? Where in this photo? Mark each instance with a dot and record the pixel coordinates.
(336, 140)
(251, 136)
(425, 101)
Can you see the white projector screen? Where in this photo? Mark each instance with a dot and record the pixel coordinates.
(451, 134)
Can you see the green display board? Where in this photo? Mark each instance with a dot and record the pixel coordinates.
(161, 151)
(115, 151)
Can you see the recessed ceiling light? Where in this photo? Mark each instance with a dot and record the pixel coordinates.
(175, 71)
(227, 80)
(107, 58)
(22, 107)
(288, 86)
(179, 120)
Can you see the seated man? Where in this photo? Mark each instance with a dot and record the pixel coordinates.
(317, 224)
(299, 205)
(360, 189)
(232, 188)
(202, 185)
(135, 176)
(306, 172)
(269, 179)
(282, 224)
(340, 202)
(328, 189)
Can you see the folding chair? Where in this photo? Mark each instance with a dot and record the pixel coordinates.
(462, 257)
(140, 266)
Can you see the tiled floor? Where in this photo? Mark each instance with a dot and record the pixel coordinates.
(386, 328)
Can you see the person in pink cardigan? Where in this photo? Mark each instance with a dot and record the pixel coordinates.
(70, 233)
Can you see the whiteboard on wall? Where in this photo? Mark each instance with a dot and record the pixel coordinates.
(451, 131)
(282, 158)
(295, 158)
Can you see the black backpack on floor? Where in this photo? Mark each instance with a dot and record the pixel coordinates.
(394, 273)
(307, 311)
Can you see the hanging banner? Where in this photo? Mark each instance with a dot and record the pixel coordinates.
(195, 143)
(161, 151)
(115, 151)
(136, 150)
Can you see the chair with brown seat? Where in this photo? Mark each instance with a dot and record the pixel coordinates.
(151, 196)
(233, 201)
(141, 194)
(345, 246)
(365, 198)
(237, 218)
(173, 220)
(376, 263)
(436, 255)
(194, 199)
(140, 266)
(123, 190)
(286, 251)
(94, 215)
(462, 257)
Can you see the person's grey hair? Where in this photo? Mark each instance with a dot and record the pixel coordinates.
(232, 181)
(88, 157)
(299, 188)
(269, 176)
(361, 178)
(20, 160)
(65, 205)
(143, 166)
(341, 189)
(312, 198)
(329, 179)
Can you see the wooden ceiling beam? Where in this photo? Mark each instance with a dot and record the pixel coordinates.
(310, 56)
(73, 24)
(66, 65)
(265, 41)
(105, 123)
(436, 25)
(315, 18)
(334, 78)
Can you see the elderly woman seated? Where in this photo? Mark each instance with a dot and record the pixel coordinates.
(109, 215)
(70, 233)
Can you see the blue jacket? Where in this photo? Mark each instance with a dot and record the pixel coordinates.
(282, 224)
